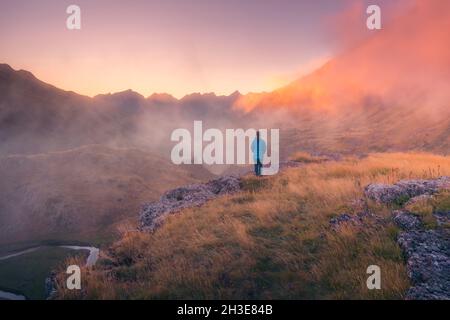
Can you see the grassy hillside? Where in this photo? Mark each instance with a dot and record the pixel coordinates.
(80, 194)
(273, 240)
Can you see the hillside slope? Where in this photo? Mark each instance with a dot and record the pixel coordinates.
(79, 193)
(376, 94)
(36, 117)
(308, 233)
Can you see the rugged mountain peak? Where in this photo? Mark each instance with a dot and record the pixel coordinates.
(163, 98)
(127, 94)
(5, 67)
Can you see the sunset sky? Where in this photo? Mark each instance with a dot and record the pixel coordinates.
(178, 47)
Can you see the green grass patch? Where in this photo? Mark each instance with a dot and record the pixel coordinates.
(26, 274)
(401, 201)
(442, 202)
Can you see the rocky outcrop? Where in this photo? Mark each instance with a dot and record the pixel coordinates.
(404, 190)
(427, 251)
(406, 220)
(428, 257)
(364, 215)
(354, 220)
(194, 195)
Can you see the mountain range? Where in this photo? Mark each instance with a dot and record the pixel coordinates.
(69, 162)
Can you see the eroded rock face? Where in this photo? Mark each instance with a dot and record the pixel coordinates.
(405, 189)
(443, 219)
(427, 253)
(406, 220)
(194, 195)
(428, 264)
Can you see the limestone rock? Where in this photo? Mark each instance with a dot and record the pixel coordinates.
(406, 220)
(428, 264)
(194, 195)
(405, 189)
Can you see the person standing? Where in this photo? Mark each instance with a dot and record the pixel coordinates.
(258, 149)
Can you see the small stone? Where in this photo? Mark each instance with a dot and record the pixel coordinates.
(345, 219)
(405, 189)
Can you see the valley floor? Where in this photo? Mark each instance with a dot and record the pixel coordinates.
(25, 274)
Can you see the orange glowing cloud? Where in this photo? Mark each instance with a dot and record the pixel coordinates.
(406, 62)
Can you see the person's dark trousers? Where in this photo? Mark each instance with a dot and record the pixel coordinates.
(258, 166)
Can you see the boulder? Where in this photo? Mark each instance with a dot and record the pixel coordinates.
(406, 220)
(427, 253)
(356, 220)
(428, 264)
(194, 195)
(404, 190)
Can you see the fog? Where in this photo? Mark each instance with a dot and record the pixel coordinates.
(70, 163)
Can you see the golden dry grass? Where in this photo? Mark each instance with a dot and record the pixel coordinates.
(272, 240)
(305, 157)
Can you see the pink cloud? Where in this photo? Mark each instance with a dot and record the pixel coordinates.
(406, 63)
